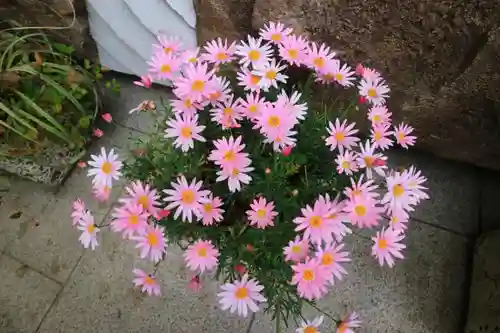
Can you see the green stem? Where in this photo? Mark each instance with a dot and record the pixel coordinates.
(278, 312)
(322, 311)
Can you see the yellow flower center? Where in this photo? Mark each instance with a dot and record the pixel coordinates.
(310, 329)
(401, 136)
(241, 293)
(152, 239)
(319, 62)
(360, 210)
(215, 95)
(192, 60)
(308, 275)
(167, 50)
(106, 168)
(208, 207)
(368, 161)
(149, 280)
(315, 221)
(235, 172)
(221, 56)
(339, 77)
(252, 108)
(165, 68)
(398, 190)
(372, 92)
(188, 103)
(271, 75)
(198, 85)
(327, 259)
(378, 136)
(274, 121)
(394, 220)
(296, 249)
(187, 197)
(342, 328)
(345, 165)
(90, 228)
(293, 53)
(229, 156)
(202, 252)
(276, 37)
(228, 111)
(327, 77)
(332, 216)
(143, 201)
(254, 55)
(382, 244)
(186, 132)
(377, 118)
(254, 79)
(261, 213)
(133, 219)
(339, 136)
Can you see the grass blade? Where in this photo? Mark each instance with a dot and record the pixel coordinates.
(16, 117)
(16, 131)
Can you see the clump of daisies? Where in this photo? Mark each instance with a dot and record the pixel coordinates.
(253, 182)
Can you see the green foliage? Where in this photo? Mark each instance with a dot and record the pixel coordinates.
(45, 95)
(293, 182)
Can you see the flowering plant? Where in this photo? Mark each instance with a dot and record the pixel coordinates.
(252, 182)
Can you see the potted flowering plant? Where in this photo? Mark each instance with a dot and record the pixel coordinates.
(252, 182)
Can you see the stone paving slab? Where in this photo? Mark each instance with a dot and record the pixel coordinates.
(423, 293)
(25, 296)
(490, 210)
(100, 295)
(484, 306)
(453, 189)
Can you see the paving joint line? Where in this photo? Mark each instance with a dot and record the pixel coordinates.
(12, 257)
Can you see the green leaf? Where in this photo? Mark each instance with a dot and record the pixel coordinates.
(86, 64)
(63, 48)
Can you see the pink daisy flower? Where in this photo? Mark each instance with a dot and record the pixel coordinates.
(346, 163)
(310, 326)
(296, 250)
(333, 72)
(262, 213)
(403, 137)
(275, 32)
(275, 123)
(143, 195)
(316, 222)
(380, 136)
(185, 130)
(190, 56)
(415, 181)
(363, 211)
(387, 246)
(101, 192)
(164, 66)
(336, 215)
(348, 323)
(398, 220)
(269, 73)
(375, 91)
(129, 219)
(253, 105)
(187, 198)
(184, 106)
(292, 104)
(293, 49)
(311, 278)
(228, 153)
(379, 115)
(248, 80)
(254, 52)
(317, 57)
(361, 189)
(218, 51)
(146, 81)
(195, 82)
(341, 135)
(228, 113)
(241, 296)
(331, 257)
(146, 282)
(221, 90)
(151, 242)
(399, 196)
(201, 255)
(88, 238)
(211, 211)
(78, 212)
(169, 45)
(367, 157)
(370, 74)
(105, 168)
(236, 176)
